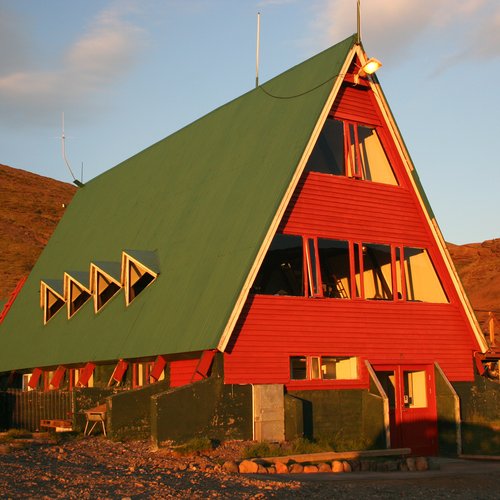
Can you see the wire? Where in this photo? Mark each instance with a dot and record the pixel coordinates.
(302, 93)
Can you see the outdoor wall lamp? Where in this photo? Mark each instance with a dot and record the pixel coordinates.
(368, 68)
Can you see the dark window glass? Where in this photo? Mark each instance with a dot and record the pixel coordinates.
(328, 154)
(281, 272)
(334, 264)
(298, 368)
(377, 272)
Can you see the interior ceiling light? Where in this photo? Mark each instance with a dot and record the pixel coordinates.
(368, 68)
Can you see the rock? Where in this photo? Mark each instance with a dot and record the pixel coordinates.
(410, 462)
(355, 465)
(392, 465)
(261, 469)
(281, 468)
(230, 466)
(248, 467)
(347, 466)
(4, 449)
(296, 468)
(310, 469)
(403, 466)
(271, 469)
(324, 467)
(421, 464)
(337, 466)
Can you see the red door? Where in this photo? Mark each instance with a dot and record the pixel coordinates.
(412, 406)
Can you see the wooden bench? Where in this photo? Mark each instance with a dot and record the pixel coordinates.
(58, 425)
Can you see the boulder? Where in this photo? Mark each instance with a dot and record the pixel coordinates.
(347, 466)
(281, 468)
(248, 467)
(421, 464)
(310, 469)
(261, 469)
(324, 467)
(337, 466)
(271, 469)
(296, 468)
(410, 462)
(230, 466)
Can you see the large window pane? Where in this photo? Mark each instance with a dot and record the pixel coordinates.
(328, 153)
(421, 280)
(298, 368)
(281, 272)
(377, 272)
(334, 264)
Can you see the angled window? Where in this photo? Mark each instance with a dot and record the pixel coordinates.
(282, 272)
(139, 270)
(51, 297)
(105, 282)
(421, 281)
(76, 290)
(352, 150)
(377, 272)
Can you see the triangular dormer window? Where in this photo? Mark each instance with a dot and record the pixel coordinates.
(52, 298)
(105, 282)
(139, 270)
(76, 290)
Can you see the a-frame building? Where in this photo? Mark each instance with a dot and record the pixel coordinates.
(286, 231)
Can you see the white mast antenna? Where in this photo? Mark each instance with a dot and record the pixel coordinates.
(63, 145)
(358, 41)
(257, 52)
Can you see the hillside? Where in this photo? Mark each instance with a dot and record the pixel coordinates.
(31, 206)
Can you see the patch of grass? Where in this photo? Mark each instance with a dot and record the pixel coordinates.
(259, 450)
(19, 434)
(195, 445)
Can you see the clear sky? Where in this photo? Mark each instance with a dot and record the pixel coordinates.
(127, 73)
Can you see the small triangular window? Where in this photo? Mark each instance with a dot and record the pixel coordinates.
(138, 274)
(52, 296)
(105, 282)
(76, 292)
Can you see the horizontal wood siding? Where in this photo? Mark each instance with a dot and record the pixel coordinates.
(342, 208)
(273, 328)
(357, 104)
(182, 372)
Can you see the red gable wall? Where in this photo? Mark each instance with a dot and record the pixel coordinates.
(273, 328)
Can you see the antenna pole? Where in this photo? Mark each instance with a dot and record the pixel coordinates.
(359, 22)
(63, 140)
(257, 52)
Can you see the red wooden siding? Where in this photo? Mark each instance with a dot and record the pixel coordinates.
(273, 328)
(342, 208)
(358, 104)
(183, 372)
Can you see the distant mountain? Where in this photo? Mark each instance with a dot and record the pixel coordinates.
(32, 205)
(30, 208)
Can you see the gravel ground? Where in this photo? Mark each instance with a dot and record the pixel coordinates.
(96, 468)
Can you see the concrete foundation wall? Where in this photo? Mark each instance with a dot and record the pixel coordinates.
(480, 414)
(349, 419)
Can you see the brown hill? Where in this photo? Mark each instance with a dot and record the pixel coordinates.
(30, 208)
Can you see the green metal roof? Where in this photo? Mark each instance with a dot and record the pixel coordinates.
(203, 199)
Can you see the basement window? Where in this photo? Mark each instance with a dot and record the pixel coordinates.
(76, 293)
(106, 283)
(139, 270)
(323, 368)
(52, 298)
(282, 271)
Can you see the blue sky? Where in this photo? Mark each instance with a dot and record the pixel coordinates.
(128, 73)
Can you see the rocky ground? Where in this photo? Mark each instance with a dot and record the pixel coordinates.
(98, 468)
